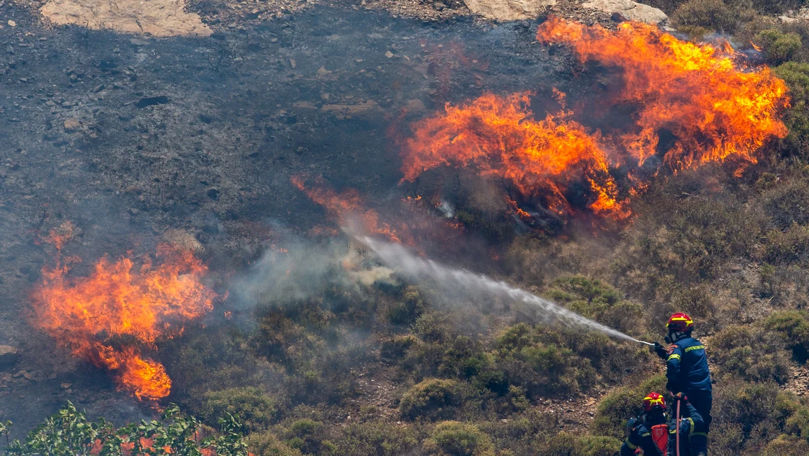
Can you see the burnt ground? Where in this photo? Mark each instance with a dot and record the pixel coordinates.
(130, 138)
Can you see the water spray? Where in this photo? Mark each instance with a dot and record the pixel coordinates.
(470, 284)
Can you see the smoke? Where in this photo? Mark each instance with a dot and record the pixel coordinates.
(298, 269)
(462, 285)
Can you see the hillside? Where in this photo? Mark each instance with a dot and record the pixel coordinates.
(208, 212)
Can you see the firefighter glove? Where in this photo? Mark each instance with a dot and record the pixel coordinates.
(660, 350)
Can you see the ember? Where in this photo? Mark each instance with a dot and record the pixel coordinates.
(122, 309)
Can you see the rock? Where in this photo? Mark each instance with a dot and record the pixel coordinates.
(628, 9)
(508, 10)
(8, 356)
(11, 23)
(72, 124)
(155, 17)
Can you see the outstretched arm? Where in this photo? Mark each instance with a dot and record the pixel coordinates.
(673, 368)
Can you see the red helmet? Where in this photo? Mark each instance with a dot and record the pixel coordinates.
(680, 322)
(654, 401)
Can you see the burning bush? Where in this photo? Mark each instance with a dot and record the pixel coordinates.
(692, 104)
(122, 310)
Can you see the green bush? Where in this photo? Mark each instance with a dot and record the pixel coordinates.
(589, 445)
(707, 14)
(785, 445)
(376, 439)
(596, 300)
(748, 408)
(778, 46)
(746, 351)
(796, 75)
(793, 325)
(407, 309)
(787, 246)
(432, 398)
(452, 438)
(784, 204)
(268, 444)
(254, 408)
(307, 435)
(394, 350)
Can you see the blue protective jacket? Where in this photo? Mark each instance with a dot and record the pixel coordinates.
(641, 439)
(687, 367)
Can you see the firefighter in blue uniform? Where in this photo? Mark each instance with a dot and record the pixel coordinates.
(655, 434)
(648, 434)
(687, 365)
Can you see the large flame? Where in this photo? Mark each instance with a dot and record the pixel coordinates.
(499, 137)
(122, 309)
(714, 108)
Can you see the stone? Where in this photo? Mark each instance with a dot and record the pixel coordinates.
(72, 124)
(153, 17)
(628, 9)
(8, 356)
(508, 10)
(11, 23)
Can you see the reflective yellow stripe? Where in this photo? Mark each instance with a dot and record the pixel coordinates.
(629, 444)
(674, 356)
(695, 347)
(704, 434)
(645, 435)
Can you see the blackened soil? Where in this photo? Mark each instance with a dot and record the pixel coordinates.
(130, 137)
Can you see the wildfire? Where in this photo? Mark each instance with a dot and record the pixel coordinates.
(122, 309)
(499, 137)
(714, 109)
(347, 207)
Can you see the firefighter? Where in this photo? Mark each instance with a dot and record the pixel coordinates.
(655, 434)
(687, 365)
(693, 435)
(649, 432)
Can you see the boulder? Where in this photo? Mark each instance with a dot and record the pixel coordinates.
(628, 9)
(152, 17)
(508, 10)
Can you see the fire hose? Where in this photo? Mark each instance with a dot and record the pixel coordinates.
(677, 426)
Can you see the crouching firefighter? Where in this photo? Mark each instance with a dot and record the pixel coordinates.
(654, 433)
(687, 365)
(648, 433)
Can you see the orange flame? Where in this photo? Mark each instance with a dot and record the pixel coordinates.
(715, 108)
(347, 207)
(120, 309)
(499, 137)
